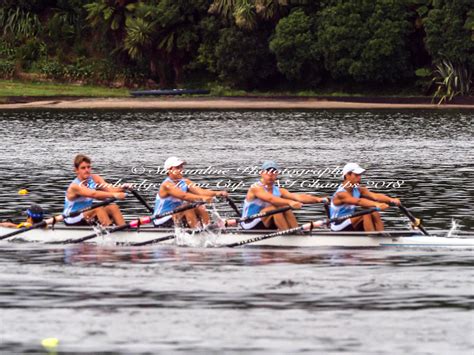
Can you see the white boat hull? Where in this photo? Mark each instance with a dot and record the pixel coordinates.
(317, 238)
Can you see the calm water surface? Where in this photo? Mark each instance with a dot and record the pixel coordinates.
(139, 300)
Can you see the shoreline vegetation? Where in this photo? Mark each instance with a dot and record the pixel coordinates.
(244, 48)
(42, 95)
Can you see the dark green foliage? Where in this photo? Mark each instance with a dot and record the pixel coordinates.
(364, 40)
(7, 68)
(449, 30)
(295, 47)
(51, 69)
(240, 59)
(245, 44)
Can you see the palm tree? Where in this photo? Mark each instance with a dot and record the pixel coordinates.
(247, 13)
(110, 16)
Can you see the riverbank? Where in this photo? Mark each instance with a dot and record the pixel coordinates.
(230, 103)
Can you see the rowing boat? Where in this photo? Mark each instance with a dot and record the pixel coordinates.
(315, 238)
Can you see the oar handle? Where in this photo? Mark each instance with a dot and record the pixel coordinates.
(413, 219)
(58, 218)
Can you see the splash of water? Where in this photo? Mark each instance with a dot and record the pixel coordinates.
(455, 227)
(201, 238)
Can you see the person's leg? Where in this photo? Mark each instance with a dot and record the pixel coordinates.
(203, 215)
(368, 223)
(114, 214)
(191, 218)
(290, 219)
(358, 223)
(278, 220)
(101, 214)
(377, 221)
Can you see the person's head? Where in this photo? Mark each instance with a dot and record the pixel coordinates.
(174, 167)
(35, 213)
(82, 166)
(352, 173)
(269, 172)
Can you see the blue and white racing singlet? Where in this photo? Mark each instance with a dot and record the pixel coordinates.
(169, 203)
(80, 202)
(342, 210)
(256, 205)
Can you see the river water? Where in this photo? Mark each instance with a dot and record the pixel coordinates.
(145, 300)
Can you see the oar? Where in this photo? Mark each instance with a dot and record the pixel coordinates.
(133, 224)
(58, 218)
(416, 221)
(305, 227)
(232, 204)
(142, 200)
(220, 225)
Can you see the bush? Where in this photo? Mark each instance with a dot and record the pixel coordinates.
(79, 70)
(52, 69)
(7, 50)
(30, 52)
(294, 45)
(7, 68)
(365, 40)
(448, 32)
(451, 80)
(239, 59)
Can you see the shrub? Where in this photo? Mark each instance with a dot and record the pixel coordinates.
(451, 80)
(294, 45)
(365, 40)
(7, 68)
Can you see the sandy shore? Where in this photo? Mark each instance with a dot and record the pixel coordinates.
(219, 104)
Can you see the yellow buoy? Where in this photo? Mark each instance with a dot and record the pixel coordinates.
(23, 192)
(50, 342)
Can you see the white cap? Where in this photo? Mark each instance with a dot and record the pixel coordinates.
(172, 162)
(352, 168)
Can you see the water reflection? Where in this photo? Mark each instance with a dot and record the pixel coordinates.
(90, 254)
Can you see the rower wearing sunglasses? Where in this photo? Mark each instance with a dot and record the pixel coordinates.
(265, 196)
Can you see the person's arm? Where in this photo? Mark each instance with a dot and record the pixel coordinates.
(365, 192)
(345, 198)
(105, 186)
(8, 225)
(204, 192)
(76, 190)
(264, 195)
(303, 198)
(170, 189)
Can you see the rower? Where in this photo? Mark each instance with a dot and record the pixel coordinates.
(84, 189)
(265, 196)
(176, 189)
(34, 213)
(351, 194)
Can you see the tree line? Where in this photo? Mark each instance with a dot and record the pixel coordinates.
(246, 44)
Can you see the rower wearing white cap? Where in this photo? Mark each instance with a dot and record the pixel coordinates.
(265, 196)
(176, 189)
(351, 194)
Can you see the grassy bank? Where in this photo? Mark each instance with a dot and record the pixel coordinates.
(17, 88)
(21, 88)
